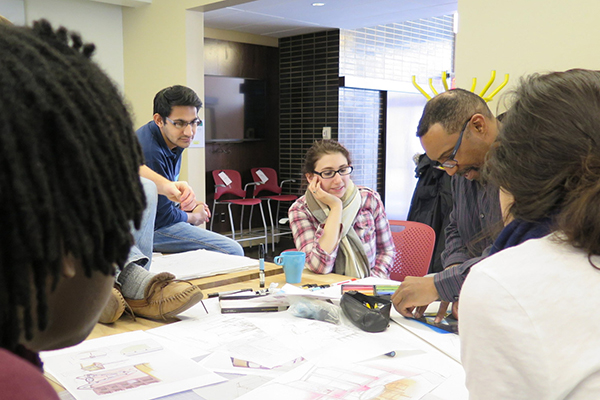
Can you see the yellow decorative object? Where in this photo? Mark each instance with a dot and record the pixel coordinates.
(473, 85)
(445, 83)
(495, 92)
(431, 86)
(486, 87)
(424, 93)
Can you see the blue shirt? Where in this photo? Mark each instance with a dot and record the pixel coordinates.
(166, 162)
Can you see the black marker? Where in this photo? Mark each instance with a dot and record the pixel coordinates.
(261, 265)
(210, 295)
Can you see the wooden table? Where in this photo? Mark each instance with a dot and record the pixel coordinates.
(218, 283)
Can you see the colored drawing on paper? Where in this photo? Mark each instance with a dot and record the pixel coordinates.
(118, 379)
(362, 381)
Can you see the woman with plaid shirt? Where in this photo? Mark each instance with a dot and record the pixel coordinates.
(341, 227)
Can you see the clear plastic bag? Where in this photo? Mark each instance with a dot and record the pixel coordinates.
(315, 309)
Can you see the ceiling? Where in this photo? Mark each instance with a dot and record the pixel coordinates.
(282, 18)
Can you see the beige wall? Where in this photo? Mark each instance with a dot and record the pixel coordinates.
(98, 23)
(163, 46)
(520, 37)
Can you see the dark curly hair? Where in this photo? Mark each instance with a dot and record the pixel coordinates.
(69, 161)
(547, 154)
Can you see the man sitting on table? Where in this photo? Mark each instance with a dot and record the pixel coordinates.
(457, 130)
(163, 141)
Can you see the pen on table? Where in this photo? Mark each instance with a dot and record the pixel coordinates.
(348, 281)
(210, 295)
(261, 264)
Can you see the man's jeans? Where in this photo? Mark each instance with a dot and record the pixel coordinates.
(141, 251)
(182, 236)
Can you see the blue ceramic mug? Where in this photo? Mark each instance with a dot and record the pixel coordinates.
(293, 265)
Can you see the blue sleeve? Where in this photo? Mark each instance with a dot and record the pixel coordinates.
(167, 213)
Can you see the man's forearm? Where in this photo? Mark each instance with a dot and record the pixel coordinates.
(160, 181)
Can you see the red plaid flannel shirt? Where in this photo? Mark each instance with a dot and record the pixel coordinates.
(371, 226)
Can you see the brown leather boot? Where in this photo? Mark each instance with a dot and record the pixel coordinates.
(165, 297)
(114, 308)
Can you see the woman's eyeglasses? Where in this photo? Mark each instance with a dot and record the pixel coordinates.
(329, 173)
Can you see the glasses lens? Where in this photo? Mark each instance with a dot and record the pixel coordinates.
(346, 170)
(448, 164)
(328, 174)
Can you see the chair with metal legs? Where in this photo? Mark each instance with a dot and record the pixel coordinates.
(229, 182)
(265, 180)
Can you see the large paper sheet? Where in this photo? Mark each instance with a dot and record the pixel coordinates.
(200, 264)
(125, 366)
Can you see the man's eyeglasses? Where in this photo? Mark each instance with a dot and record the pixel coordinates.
(329, 173)
(181, 124)
(450, 161)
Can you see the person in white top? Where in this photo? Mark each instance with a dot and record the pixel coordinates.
(527, 313)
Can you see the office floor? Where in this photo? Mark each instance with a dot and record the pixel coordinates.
(285, 242)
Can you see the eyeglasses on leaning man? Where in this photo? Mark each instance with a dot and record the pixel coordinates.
(181, 124)
(450, 161)
(329, 174)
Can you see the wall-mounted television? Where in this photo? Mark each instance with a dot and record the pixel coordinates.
(234, 108)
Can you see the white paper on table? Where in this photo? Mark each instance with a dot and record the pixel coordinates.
(124, 366)
(325, 343)
(382, 378)
(447, 343)
(200, 263)
(232, 334)
(223, 363)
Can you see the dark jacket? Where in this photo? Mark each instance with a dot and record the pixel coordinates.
(431, 204)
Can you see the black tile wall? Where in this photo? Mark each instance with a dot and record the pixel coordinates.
(309, 99)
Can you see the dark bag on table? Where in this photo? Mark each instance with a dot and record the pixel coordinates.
(369, 313)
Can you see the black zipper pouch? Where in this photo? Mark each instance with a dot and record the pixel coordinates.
(369, 313)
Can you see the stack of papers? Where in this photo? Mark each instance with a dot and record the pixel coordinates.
(200, 263)
(261, 356)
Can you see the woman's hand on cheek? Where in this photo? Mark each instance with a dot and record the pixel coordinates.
(322, 195)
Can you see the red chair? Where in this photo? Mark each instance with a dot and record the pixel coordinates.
(229, 182)
(414, 242)
(266, 181)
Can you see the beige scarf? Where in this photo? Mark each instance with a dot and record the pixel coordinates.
(351, 259)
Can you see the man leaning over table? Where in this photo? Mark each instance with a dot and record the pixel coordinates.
(163, 141)
(457, 130)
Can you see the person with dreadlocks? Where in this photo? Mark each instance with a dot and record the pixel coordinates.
(70, 190)
(163, 141)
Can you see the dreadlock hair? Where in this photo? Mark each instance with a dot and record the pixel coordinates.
(69, 183)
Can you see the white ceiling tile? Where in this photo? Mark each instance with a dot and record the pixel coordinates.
(281, 18)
